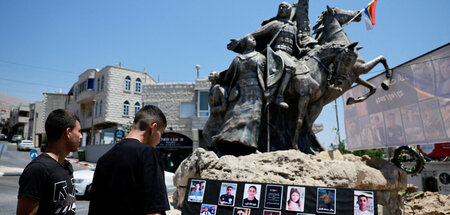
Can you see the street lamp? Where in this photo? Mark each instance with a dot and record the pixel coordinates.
(198, 68)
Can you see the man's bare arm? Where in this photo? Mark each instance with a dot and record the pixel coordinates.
(26, 206)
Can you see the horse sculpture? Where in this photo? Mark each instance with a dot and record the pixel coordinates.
(329, 29)
(341, 74)
(311, 85)
(318, 75)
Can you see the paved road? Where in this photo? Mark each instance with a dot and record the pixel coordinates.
(9, 185)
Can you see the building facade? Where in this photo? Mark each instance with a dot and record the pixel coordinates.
(36, 123)
(106, 100)
(18, 121)
(184, 104)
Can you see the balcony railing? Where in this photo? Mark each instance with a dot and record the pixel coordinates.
(86, 96)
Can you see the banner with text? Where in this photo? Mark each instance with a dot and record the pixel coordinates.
(414, 111)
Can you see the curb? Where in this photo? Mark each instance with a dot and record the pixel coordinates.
(10, 174)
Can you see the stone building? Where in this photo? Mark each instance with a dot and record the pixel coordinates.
(18, 121)
(108, 99)
(184, 104)
(36, 123)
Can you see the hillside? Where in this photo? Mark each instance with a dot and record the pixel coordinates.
(8, 102)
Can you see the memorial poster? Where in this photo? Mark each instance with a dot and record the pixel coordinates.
(241, 211)
(295, 198)
(227, 194)
(326, 200)
(363, 203)
(251, 195)
(273, 196)
(196, 190)
(208, 209)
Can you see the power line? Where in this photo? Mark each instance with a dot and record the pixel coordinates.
(30, 83)
(37, 67)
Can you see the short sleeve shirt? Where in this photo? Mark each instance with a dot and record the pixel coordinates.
(50, 183)
(129, 179)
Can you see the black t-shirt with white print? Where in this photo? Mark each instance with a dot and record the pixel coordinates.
(50, 183)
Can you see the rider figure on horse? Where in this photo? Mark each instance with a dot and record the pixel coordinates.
(288, 39)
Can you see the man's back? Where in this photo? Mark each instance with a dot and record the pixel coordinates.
(129, 180)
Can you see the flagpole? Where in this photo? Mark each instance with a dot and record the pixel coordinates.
(351, 20)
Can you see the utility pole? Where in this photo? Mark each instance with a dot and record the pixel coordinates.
(337, 122)
(92, 122)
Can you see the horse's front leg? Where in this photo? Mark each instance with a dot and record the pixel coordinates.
(372, 90)
(362, 68)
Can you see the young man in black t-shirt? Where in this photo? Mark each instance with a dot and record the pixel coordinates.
(227, 198)
(46, 184)
(129, 178)
(251, 200)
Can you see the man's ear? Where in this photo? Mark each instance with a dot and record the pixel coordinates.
(67, 133)
(152, 126)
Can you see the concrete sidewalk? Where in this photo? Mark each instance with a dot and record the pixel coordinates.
(10, 171)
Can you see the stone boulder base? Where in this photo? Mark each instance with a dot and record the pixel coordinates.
(327, 169)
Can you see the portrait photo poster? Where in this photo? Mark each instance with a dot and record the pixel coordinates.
(363, 203)
(251, 195)
(326, 200)
(241, 211)
(207, 209)
(227, 194)
(269, 212)
(295, 198)
(196, 190)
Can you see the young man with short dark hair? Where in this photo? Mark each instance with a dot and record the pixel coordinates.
(129, 178)
(46, 184)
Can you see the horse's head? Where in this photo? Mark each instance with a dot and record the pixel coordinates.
(329, 24)
(343, 16)
(344, 62)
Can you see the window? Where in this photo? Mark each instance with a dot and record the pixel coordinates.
(100, 108)
(202, 103)
(126, 108)
(137, 107)
(95, 111)
(98, 84)
(103, 81)
(138, 85)
(187, 110)
(90, 83)
(127, 83)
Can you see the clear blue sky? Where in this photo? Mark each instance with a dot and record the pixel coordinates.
(45, 45)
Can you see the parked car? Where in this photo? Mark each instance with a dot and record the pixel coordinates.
(25, 145)
(83, 182)
(2, 136)
(16, 138)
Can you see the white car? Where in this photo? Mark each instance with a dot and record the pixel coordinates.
(25, 145)
(83, 182)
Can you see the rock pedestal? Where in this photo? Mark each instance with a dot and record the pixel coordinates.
(327, 169)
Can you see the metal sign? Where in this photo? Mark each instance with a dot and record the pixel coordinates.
(34, 153)
(119, 133)
(172, 139)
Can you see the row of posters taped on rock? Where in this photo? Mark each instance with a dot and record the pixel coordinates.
(212, 197)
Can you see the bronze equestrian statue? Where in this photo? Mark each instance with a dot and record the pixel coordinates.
(279, 84)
